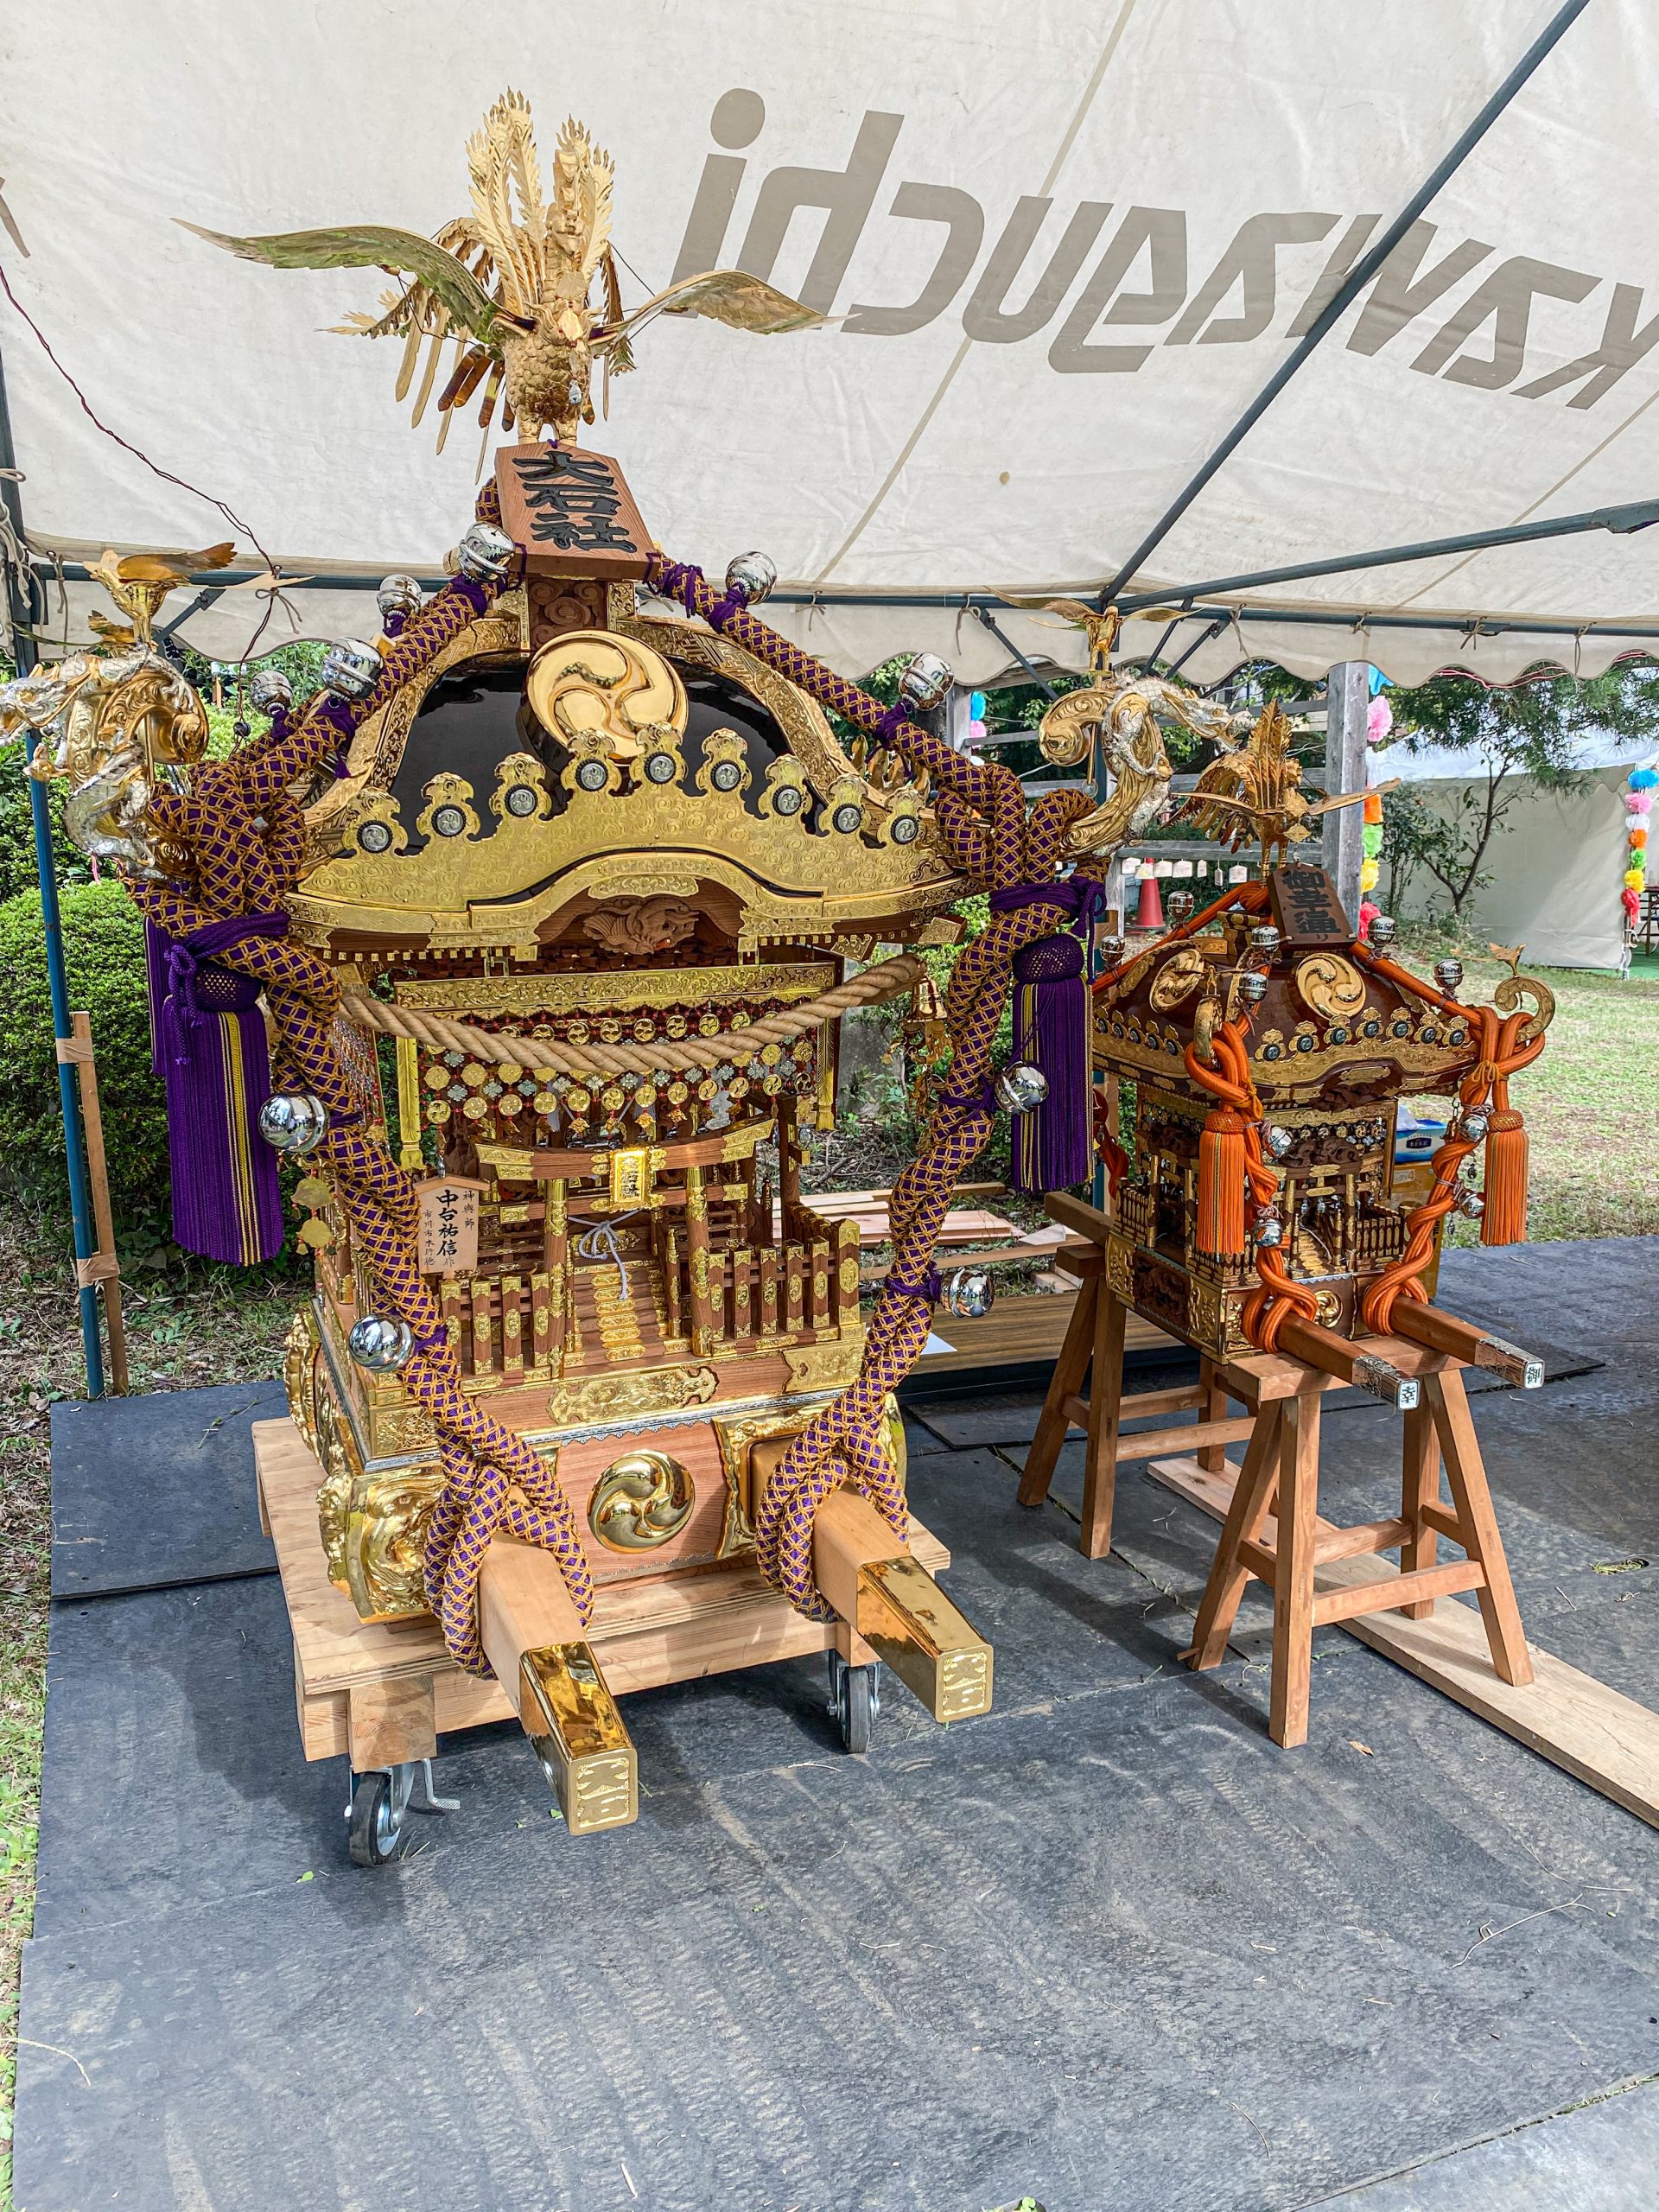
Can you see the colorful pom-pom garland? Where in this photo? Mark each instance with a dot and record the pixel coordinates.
(1638, 804)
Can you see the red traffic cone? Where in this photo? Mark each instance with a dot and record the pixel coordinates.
(1150, 913)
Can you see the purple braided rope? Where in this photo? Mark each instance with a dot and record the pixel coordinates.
(988, 835)
(242, 838)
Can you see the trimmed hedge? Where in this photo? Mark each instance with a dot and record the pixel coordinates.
(104, 947)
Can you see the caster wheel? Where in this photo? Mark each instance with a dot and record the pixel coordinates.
(375, 1819)
(855, 1701)
(382, 1801)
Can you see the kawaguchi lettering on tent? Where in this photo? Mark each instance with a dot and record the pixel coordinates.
(1482, 342)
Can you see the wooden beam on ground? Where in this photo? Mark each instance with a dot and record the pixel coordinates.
(1598, 1736)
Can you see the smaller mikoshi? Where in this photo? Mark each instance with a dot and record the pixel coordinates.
(1255, 1058)
(567, 875)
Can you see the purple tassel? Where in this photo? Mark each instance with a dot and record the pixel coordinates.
(1052, 1143)
(209, 1041)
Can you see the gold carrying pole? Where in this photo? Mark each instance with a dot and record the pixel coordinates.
(890, 1601)
(533, 1638)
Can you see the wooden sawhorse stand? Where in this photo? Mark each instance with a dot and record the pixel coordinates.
(1273, 1529)
(1094, 1338)
(1280, 1479)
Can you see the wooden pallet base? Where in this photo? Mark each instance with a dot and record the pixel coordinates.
(381, 1693)
(1598, 1736)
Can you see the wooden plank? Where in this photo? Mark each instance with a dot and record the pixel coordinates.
(1602, 1738)
(389, 1723)
(644, 1633)
(1021, 1329)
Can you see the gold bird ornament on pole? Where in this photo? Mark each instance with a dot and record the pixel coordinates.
(512, 286)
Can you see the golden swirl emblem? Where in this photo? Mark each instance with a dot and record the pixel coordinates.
(592, 689)
(1178, 977)
(1331, 986)
(641, 1501)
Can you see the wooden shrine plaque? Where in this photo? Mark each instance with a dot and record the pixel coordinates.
(1306, 907)
(449, 1224)
(572, 512)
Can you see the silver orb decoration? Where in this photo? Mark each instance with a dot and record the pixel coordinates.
(1269, 1229)
(925, 684)
(486, 554)
(1178, 905)
(750, 577)
(970, 1292)
(1112, 950)
(1468, 1201)
(294, 1120)
(270, 691)
(1264, 937)
(1276, 1141)
(1019, 1087)
(351, 669)
(1474, 1126)
(1253, 986)
(1382, 930)
(1448, 973)
(380, 1343)
(399, 595)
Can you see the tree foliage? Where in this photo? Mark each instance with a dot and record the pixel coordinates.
(1529, 733)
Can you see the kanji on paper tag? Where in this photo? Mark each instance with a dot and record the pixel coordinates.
(449, 1224)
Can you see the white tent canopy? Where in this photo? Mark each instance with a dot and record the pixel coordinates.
(1068, 245)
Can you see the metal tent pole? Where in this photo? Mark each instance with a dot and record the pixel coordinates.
(1351, 288)
(22, 616)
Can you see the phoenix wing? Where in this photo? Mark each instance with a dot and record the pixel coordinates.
(378, 246)
(727, 296)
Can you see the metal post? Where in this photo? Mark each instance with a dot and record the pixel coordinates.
(23, 614)
(1348, 698)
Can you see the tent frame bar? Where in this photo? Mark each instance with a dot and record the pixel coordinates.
(1348, 290)
(969, 602)
(20, 591)
(1623, 521)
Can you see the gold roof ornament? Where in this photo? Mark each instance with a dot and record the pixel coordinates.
(510, 285)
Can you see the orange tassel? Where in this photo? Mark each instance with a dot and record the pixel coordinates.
(1221, 1185)
(1505, 1218)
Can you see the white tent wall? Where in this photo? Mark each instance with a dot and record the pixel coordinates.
(1556, 868)
(1066, 244)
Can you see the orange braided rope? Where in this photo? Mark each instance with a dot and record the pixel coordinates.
(1501, 1057)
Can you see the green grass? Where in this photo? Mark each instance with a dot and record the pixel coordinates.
(1591, 1106)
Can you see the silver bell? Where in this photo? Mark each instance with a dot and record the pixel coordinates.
(1019, 1087)
(750, 577)
(1276, 1141)
(1448, 973)
(1382, 930)
(1112, 950)
(1469, 1202)
(1269, 1229)
(270, 691)
(969, 1293)
(1474, 1126)
(399, 595)
(351, 669)
(294, 1120)
(1178, 905)
(484, 554)
(1264, 937)
(925, 683)
(1253, 986)
(381, 1343)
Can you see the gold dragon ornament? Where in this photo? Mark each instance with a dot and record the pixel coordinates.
(114, 724)
(1115, 723)
(510, 285)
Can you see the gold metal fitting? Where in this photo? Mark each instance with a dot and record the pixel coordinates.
(907, 1620)
(576, 1731)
